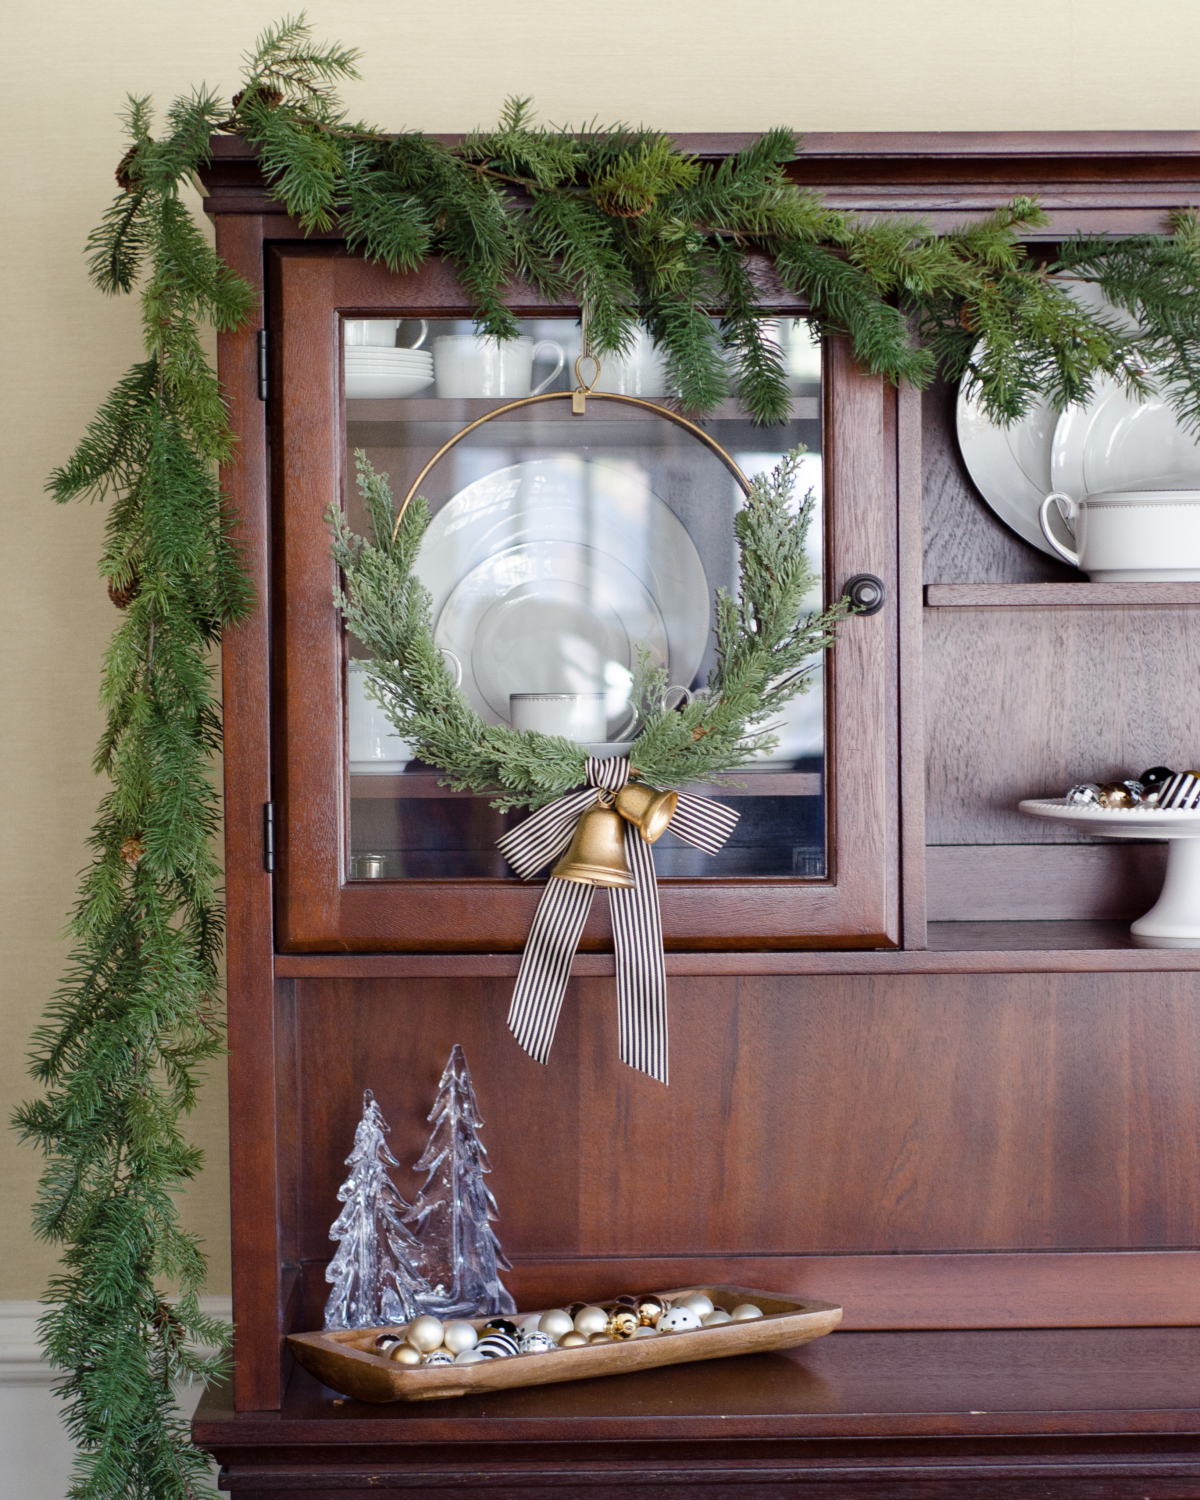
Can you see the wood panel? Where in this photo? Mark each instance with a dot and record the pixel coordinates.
(1034, 1289)
(254, 1166)
(1024, 702)
(805, 1116)
(1043, 882)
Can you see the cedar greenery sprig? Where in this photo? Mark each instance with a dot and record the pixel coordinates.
(766, 645)
(121, 1046)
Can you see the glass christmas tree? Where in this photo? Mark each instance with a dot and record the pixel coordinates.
(374, 1273)
(460, 1255)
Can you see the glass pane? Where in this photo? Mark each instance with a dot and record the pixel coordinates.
(560, 544)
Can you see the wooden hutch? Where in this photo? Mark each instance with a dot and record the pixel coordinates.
(928, 1077)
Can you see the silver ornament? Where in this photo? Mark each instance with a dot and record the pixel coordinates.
(1085, 794)
(438, 1357)
(535, 1343)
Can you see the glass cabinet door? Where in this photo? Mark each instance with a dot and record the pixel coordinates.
(564, 549)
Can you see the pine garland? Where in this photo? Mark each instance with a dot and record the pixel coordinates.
(763, 644)
(615, 219)
(121, 1045)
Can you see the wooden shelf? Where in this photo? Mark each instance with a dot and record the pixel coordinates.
(456, 412)
(1035, 595)
(954, 948)
(428, 784)
(1000, 1395)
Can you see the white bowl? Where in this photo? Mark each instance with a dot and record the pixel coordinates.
(393, 385)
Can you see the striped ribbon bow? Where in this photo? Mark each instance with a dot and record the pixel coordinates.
(637, 922)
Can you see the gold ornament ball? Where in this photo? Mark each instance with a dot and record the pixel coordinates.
(426, 1333)
(405, 1354)
(623, 1323)
(572, 1340)
(650, 1309)
(591, 1320)
(601, 1338)
(1115, 794)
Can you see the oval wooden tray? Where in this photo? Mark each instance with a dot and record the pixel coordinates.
(347, 1362)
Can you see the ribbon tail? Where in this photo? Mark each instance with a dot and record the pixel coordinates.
(546, 965)
(641, 967)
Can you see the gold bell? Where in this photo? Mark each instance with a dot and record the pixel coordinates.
(597, 852)
(649, 811)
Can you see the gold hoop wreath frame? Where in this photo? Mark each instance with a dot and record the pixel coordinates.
(596, 817)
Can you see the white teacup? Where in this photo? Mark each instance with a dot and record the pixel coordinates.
(374, 748)
(466, 364)
(378, 333)
(642, 372)
(574, 716)
(1130, 536)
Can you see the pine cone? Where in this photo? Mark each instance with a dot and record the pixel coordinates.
(131, 851)
(124, 180)
(124, 594)
(272, 98)
(966, 319)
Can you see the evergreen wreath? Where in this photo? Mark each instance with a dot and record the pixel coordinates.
(764, 646)
(615, 219)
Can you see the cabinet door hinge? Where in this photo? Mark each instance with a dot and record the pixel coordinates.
(269, 837)
(260, 342)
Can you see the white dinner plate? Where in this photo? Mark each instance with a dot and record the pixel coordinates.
(600, 504)
(1011, 466)
(386, 386)
(1117, 442)
(550, 617)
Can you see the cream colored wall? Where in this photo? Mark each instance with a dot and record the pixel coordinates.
(684, 64)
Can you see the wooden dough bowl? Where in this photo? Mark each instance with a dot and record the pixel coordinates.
(347, 1362)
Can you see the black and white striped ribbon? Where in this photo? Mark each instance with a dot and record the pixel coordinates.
(637, 922)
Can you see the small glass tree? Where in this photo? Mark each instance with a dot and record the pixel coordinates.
(459, 1253)
(374, 1272)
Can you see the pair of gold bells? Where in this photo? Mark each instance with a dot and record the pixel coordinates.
(597, 853)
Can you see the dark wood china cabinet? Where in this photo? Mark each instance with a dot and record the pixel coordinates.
(918, 1066)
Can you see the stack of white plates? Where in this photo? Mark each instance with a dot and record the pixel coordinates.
(378, 374)
(1113, 442)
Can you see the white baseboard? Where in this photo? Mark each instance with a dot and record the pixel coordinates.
(37, 1452)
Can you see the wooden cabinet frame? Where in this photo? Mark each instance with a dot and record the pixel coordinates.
(1014, 1327)
(857, 906)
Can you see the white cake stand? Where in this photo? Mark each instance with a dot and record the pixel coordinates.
(1174, 919)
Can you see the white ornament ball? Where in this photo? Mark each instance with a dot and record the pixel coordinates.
(556, 1322)
(470, 1357)
(644, 1331)
(698, 1302)
(746, 1312)
(459, 1336)
(678, 1320)
(715, 1318)
(426, 1333)
(589, 1320)
(530, 1324)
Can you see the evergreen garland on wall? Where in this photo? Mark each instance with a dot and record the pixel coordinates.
(617, 219)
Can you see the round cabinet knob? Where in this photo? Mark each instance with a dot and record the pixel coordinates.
(866, 593)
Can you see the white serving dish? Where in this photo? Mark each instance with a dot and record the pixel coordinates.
(1174, 920)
